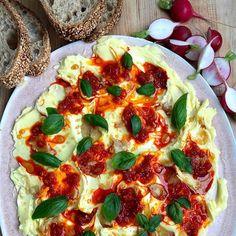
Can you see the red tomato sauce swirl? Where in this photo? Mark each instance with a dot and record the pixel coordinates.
(153, 74)
(37, 139)
(57, 229)
(195, 217)
(100, 194)
(61, 82)
(199, 159)
(127, 114)
(151, 120)
(63, 181)
(142, 172)
(78, 217)
(60, 229)
(202, 167)
(92, 162)
(130, 206)
(72, 104)
(31, 167)
(120, 98)
(95, 82)
(112, 71)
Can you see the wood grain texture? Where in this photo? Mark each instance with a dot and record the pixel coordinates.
(137, 15)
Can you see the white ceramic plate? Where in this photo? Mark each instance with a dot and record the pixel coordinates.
(26, 95)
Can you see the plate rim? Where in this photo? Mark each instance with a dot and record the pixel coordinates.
(26, 78)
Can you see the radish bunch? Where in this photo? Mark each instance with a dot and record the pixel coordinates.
(199, 49)
(216, 75)
(182, 11)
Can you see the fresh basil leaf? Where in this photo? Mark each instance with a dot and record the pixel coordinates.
(123, 160)
(182, 161)
(88, 233)
(114, 90)
(50, 207)
(84, 145)
(51, 110)
(96, 120)
(154, 222)
(165, 4)
(46, 159)
(141, 34)
(144, 233)
(127, 60)
(184, 202)
(111, 207)
(53, 124)
(135, 124)
(174, 211)
(147, 89)
(86, 88)
(142, 221)
(179, 113)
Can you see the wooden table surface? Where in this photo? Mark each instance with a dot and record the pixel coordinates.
(137, 15)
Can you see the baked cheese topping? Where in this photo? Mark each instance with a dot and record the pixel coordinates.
(104, 116)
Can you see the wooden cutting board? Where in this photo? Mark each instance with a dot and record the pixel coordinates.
(137, 15)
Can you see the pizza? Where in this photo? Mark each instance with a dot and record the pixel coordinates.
(117, 145)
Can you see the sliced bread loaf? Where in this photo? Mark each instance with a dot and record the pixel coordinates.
(74, 19)
(39, 39)
(109, 19)
(15, 55)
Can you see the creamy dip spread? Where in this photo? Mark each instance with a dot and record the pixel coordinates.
(124, 127)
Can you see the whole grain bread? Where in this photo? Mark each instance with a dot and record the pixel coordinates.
(74, 19)
(39, 39)
(109, 19)
(15, 55)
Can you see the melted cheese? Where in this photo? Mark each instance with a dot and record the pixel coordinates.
(21, 131)
(50, 98)
(145, 54)
(109, 48)
(121, 231)
(27, 186)
(72, 66)
(220, 203)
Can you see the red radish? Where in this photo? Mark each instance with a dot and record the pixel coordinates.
(161, 29)
(220, 70)
(219, 90)
(179, 47)
(181, 33)
(205, 59)
(182, 11)
(228, 100)
(194, 52)
(217, 43)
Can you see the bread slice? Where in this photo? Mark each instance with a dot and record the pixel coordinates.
(15, 55)
(109, 19)
(39, 39)
(74, 19)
